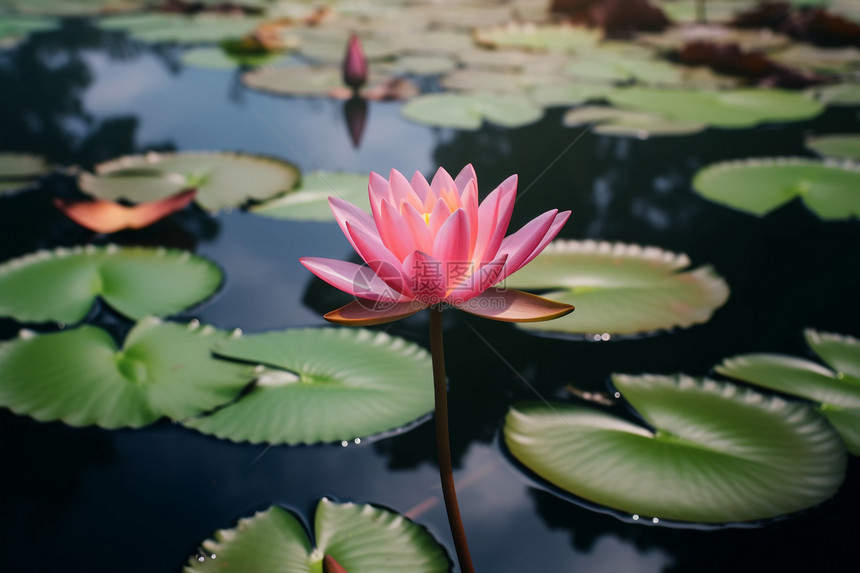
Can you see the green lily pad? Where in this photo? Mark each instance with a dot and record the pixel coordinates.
(309, 201)
(468, 111)
(222, 179)
(844, 146)
(323, 385)
(620, 289)
(81, 378)
(758, 186)
(218, 59)
(71, 7)
(531, 62)
(838, 94)
(294, 80)
(613, 121)
(717, 453)
(425, 65)
(686, 11)
(555, 38)
(726, 109)
(824, 60)
(483, 81)
(359, 537)
(568, 94)
(62, 285)
(622, 68)
(20, 170)
(175, 28)
(14, 28)
(836, 391)
(675, 37)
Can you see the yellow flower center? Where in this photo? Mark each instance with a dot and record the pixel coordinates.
(427, 219)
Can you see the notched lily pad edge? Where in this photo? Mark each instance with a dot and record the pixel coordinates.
(99, 303)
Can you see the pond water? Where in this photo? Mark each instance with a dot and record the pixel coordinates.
(143, 500)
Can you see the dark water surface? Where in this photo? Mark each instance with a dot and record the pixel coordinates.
(94, 501)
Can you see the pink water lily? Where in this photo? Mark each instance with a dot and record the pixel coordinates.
(433, 245)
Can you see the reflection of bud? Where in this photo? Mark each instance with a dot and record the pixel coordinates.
(355, 114)
(354, 64)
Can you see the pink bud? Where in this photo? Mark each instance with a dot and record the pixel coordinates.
(354, 64)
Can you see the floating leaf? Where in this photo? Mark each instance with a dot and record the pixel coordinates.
(175, 28)
(717, 453)
(61, 285)
(568, 94)
(838, 94)
(71, 7)
(20, 170)
(324, 385)
(309, 202)
(560, 38)
(759, 186)
(13, 28)
(843, 146)
(222, 179)
(836, 391)
(468, 111)
(294, 80)
(620, 289)
(359, 537)
(425, 65)
(612, 121)
(218, 59)
(727, 109)
(825, 60)
(483, 81)
(81, 378)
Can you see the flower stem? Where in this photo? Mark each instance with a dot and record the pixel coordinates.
(443, 445)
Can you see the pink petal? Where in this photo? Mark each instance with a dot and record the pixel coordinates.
(426, 277)
(421, 187)
(451, 247)
(494, 216)
(395, 232)
(418, 229)
(514, 306)
(441, 182)
(401, 191)
(438, 216)
(344, 211)
(467, 173)
(379, 258)
(469, 201)
(478, 282)
(366, 313)
(557, 223)
(355, 279)
(377, 186)
(522, 243)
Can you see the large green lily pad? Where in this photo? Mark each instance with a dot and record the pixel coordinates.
(62, 285)
(613, 121)
(758, 186)
(726, 109)
(619, 288)
(469, 111)
(323, 385)
(174, 28)
(309, 201)
(842, 146)
(14, 28)
(838, 94)
(81, 378)
(836, 391)
(20, 170)
(219, 59)
(568, 94)
(295, 80)
(712, 452)
(361, 538)
(222, 179)
(556, 38)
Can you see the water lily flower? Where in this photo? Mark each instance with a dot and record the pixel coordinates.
(354, 64)
(431, 245)
(104, 216)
